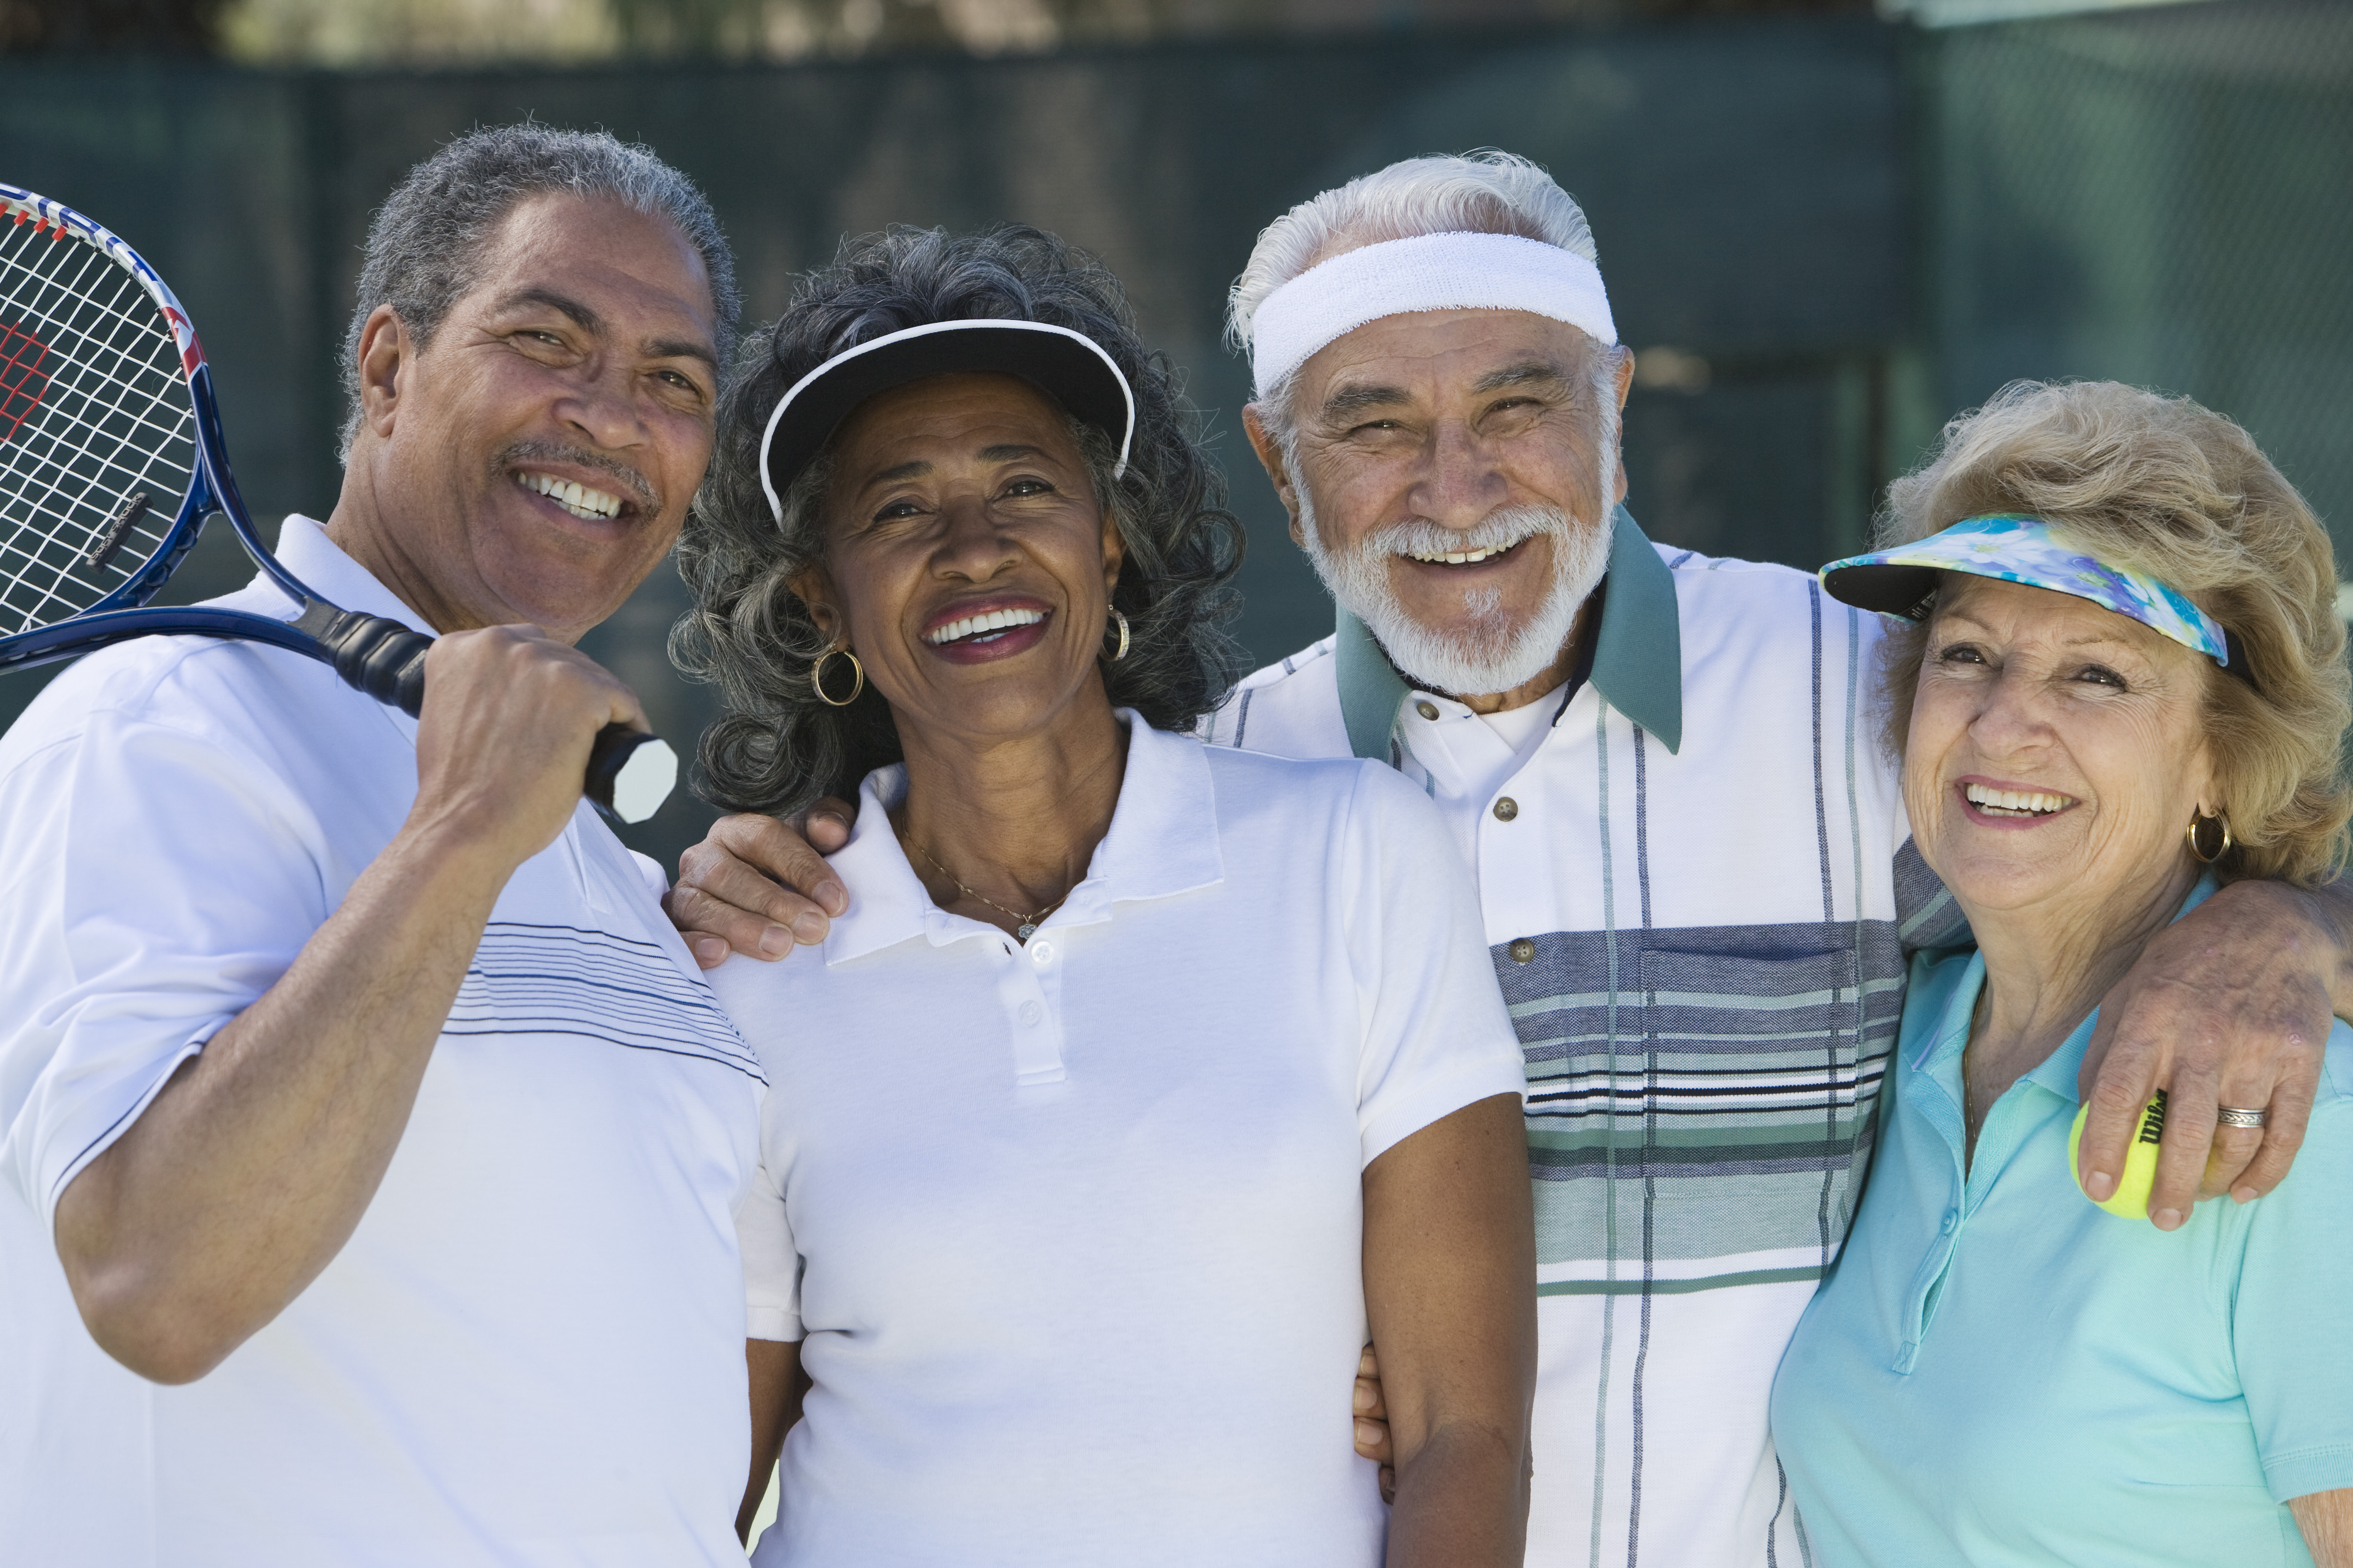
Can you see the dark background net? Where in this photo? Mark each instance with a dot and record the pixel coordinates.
(1822, 234)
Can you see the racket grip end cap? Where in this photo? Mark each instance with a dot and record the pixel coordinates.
(631, 773)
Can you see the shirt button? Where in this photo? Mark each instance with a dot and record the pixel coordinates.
(1522, 950)
(1041, 954)
(1952, 1218)
(1031, 1012)
(1506, 808)
(1427, 710)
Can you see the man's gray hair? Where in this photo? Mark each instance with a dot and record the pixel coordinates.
(425, 246)
(1485, 192)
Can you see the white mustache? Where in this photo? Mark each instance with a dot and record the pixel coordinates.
(1499, 530)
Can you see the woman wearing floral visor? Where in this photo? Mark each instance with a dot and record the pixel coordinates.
(2124, 686)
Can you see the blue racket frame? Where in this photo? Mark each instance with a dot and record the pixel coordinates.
(124, 612)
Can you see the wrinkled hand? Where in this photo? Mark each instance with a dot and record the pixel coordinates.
(502, 742)
(1373, 1423)
(758, 885)
(2229, 1006)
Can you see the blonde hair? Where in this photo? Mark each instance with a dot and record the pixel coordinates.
(2161, 485)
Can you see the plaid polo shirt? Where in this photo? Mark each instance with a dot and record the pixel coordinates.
(1700, 893)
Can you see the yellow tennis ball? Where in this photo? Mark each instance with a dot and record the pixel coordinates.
(2139, 1176)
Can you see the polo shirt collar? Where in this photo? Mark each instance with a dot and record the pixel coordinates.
(1637, 655)
(1163, 841)
(307, 551)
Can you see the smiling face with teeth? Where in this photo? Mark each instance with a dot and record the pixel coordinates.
(2055, 755)
(1457, 469)
(968, 563)
(532, 462)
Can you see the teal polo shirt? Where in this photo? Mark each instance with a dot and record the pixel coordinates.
(1996, 1372)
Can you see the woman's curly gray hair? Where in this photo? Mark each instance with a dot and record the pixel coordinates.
(778, 747)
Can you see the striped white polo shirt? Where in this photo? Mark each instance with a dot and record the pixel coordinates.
(1699, 888)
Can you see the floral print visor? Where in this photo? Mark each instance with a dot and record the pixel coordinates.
(1903, 580)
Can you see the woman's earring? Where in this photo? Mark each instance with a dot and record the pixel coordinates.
(2198, 819)
(1121, 621)
(816, 678)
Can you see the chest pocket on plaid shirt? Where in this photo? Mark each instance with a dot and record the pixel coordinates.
(1758, 1040)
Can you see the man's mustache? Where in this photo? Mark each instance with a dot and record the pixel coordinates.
(1499, 530)
(522, 454)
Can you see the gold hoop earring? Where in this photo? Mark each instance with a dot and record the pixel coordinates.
(1121, 623)
(816, 678)
(2196, 819)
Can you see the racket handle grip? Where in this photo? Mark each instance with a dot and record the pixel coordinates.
(380, 657)
(631, 773)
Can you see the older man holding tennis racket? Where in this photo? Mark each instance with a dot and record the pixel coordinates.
(353, 1093)
(1698, 881)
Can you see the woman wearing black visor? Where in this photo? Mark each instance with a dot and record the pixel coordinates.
(1140, 1083)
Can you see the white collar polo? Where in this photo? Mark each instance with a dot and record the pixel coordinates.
(1163, 841)
(990, 1172)
(182, 816)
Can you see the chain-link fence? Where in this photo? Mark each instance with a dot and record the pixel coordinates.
(2160, 196)
(1822, 236)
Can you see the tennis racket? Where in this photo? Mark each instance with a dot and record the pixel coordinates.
(110, 461)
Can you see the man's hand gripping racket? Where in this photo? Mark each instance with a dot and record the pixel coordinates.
(110, 460)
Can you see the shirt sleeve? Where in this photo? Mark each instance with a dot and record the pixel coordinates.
(1436, 1034)
(156, 882)
(772, 1263)
(2290, 1316)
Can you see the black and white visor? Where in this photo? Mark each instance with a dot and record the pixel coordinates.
(1068, 366)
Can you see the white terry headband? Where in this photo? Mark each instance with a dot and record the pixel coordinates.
(1430, 272)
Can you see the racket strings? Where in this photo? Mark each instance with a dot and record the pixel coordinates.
(150, 406)
(135, 409)
(94, 412)
(74, 490)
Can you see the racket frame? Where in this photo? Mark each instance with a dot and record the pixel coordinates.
(122, 612)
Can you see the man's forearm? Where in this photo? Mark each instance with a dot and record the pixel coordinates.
(250, 1171)
(1461, 1500)
(2332, 905)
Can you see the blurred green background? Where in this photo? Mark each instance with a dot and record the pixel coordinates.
(1826, 229)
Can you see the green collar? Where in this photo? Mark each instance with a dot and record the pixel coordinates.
(1636, 657)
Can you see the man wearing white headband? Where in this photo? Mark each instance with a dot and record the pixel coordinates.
(1697, 883)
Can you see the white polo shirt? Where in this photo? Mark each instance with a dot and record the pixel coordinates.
(1697, 889)
(529, 1352)
(1070, 1233)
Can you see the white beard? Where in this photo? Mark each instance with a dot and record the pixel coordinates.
(1486, 652)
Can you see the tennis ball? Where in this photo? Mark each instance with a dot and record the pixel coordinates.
(2139, 1176)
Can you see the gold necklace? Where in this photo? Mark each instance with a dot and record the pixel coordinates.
(1029, 923)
